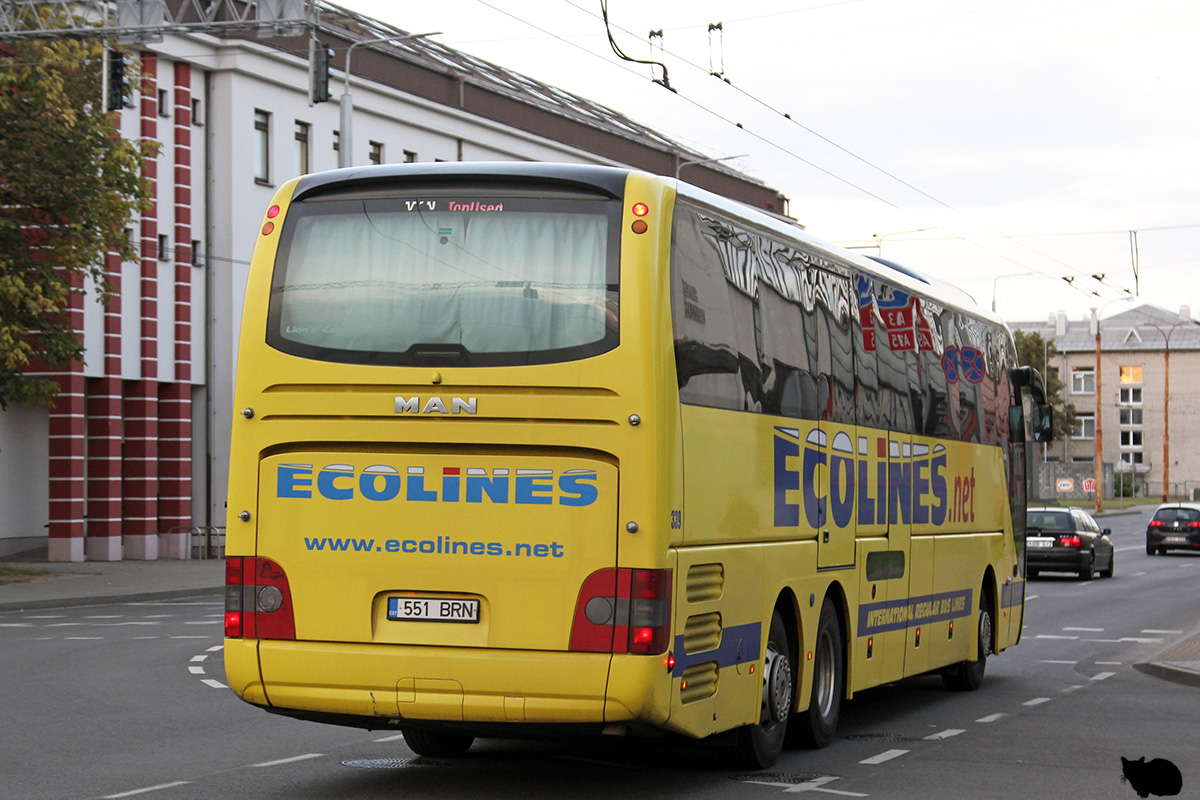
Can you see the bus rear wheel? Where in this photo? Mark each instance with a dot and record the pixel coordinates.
(437, 744)
(759, 746)
(967, 676)
(816, 726)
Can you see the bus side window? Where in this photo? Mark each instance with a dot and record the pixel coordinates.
(716, 358)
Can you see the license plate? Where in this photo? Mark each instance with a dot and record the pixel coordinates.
(433, 609)
(1040, 542)
(1176, 540)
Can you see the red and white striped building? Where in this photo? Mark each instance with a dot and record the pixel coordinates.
(133, 452)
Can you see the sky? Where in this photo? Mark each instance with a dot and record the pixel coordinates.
(1000, 146)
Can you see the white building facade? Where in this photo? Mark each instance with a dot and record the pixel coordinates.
(131, 460)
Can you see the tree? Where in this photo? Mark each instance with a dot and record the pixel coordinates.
(69, 185)
(1034, 351)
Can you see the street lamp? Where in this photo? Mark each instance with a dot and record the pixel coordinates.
(1167, 402)
(683, 164)
(879, 237)
(346, 102)
(996, 280)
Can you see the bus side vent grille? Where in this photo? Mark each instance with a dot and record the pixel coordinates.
(699, 682)
(701, 633)
(705, 582)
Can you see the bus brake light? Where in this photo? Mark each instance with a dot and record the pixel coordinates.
(258, 600)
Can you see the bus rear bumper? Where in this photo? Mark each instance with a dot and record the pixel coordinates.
(392, 683)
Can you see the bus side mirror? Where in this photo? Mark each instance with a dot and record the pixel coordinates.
(1043, 422)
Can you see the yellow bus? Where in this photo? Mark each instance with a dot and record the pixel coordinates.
(531, 449)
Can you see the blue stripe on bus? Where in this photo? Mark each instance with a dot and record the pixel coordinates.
(896, 615)
(739, 644)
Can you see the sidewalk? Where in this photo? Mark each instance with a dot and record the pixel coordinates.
(94, 582)
(1179, 663)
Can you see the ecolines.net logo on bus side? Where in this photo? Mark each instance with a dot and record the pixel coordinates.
(382, 483)
(915, 485)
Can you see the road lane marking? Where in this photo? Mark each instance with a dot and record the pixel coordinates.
(1139, 640)
(887, 755)
(946, 734)
(1060, 662)
(1086, 630)
(1037, 701)
(1054, 636)
(147, 789)
(395, 738)
(1109, 663)
(215, 648)
(291, 760)
(990, 718)
(817, 785)
(1105, 641)
(214, 683)
(1154, 630)
(83, 638)
(1069, 689)
(196, 670)
(1101, 676)
(201, 657)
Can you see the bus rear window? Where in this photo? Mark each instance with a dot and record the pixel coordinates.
(428, 280)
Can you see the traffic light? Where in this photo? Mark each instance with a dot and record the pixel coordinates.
(115, 64)
(320, 64)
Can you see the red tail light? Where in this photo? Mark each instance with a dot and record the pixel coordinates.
(1156, 523)
(1194, 525)
(623, 611)
(1069, 541)
(258, 600)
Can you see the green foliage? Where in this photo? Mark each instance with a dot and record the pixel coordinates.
(1036, 352)
(69, 185)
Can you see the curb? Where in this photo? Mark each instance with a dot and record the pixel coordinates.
(95, 600)
(1167, 672)
(1169, 663)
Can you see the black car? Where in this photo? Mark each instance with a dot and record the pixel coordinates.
(1174, 526)
(1066, 540)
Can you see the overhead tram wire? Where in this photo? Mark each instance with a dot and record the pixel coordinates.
(852, 154)
(785, 150)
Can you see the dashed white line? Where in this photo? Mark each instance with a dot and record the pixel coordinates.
(201, 657)
(946, 734)
(1139, 640)
(291, 760)
(215, 648)
(1037, 701)
(196, 670)
(15, 625)
(887, 755)
(1153, 630)
(1058, 662)
(147, 789)
(1075, 688)
(395, 738)
(1086, 630)
(1103, 675)
(990, 718)
(214, 683)
(83, 638)
(1109, 663)
(1054, 636)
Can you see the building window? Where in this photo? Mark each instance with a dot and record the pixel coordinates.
(1085, 426)
(1083, 380)
(163, 247)
(1130, 396)
(262, 146)
(410, 157)
(197, 120)
(164, 107)
(1131, 416)
(303, 166)
(1131, 457)
(1131, 374)
(196, 262)
(376, 153)
(1131, 438)
(337, 140)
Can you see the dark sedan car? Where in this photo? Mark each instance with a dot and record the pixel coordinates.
(1174, 526)
(1066, 540)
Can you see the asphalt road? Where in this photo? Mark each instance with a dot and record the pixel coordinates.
(127, 700)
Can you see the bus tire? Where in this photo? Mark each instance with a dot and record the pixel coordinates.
(758, 746)
(437, 744)
(967, 676)
(816, 726)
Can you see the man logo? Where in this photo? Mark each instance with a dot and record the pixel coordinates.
(435, 405)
